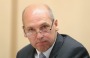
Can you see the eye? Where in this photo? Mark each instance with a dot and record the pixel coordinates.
(44, 26)
(30, 30)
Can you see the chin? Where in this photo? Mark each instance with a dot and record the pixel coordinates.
(43, 49)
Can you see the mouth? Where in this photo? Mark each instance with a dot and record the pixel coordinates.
(42, 43)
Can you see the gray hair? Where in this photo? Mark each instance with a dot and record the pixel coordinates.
(50, 11)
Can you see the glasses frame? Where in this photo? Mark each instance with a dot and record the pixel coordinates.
(26, 33)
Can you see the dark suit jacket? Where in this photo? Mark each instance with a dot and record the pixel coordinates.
(65, 47)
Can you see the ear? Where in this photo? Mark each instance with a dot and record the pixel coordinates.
(56, 24)
(24, 31)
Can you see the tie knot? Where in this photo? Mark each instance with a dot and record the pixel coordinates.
(41, 55)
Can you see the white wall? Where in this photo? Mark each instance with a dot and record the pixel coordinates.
(5, 28)
(73, 17)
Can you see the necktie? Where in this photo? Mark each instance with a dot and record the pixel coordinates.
(41, 55)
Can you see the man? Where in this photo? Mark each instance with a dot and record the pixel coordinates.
(40, 28)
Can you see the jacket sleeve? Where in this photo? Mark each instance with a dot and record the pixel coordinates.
(80, 52)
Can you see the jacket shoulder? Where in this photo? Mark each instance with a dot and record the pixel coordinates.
(72, 48)
(24, 52)
(70, 42)
(26, 48)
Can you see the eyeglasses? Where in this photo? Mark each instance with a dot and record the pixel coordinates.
(44, 29)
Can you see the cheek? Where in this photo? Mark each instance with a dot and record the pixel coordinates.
(32, 42)
(50, 39)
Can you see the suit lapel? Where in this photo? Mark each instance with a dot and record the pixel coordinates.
(31, 53)
(57, 46)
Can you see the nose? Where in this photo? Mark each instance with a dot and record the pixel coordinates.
(39, 35)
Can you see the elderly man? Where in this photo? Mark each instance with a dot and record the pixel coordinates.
(40, 27)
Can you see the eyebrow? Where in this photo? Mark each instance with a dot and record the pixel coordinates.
(45, 23)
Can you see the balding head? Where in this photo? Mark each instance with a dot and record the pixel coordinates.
(37, 8)
(39, 26)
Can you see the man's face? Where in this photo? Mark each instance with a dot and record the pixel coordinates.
(38, 25)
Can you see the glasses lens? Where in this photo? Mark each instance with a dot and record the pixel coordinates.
(43, 30)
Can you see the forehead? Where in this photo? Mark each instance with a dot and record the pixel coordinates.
(37, 22)
(36, 17)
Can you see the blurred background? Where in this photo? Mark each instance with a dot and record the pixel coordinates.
(73, 17)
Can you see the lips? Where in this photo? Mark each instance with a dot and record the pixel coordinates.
(42, 43)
